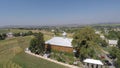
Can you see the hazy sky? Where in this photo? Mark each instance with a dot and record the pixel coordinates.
(48, 12)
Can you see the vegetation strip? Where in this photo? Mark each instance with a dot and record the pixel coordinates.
(67, 65)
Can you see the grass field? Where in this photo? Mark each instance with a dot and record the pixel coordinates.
(12, 30)
(4, 30)
(12, 55)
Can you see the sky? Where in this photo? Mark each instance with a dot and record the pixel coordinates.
(55, 12)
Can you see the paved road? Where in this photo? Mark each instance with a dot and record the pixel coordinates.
(111, 67)
(110, 62)
(107, 58)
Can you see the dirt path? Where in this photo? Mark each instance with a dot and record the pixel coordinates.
(51, 60)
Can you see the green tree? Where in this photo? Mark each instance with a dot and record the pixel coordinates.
(113, 52)
(0, 37)
(29, 33)
(118, 43)
(4, 36)
(118, 61)
(113, 35)
(104, 43)
(37, 44)
(116, 54)
(33, 44)
(16, 34)
(86, 42)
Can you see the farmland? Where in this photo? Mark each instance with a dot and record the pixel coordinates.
(12, 30)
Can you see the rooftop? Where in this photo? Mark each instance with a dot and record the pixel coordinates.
(60, 41)
(93, 61)
(114, 42)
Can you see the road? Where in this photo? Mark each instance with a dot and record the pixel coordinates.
(107, 58)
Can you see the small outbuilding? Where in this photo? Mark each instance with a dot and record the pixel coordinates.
(92, 63)
(9, 35)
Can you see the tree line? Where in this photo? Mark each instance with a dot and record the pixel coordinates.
(113, 34)
(23, 33)
(3, 36)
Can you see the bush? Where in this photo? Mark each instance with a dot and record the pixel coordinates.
(70, 62)
(29, 33)
(60, 59)
(16, 34)
(2, 36)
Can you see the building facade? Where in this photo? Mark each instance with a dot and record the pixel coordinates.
(62, 44)
(60, 48)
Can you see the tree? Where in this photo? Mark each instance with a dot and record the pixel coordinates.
(33, 44)
(113, 35)
(29, 33)
(118, 43)
(104, 43)
(117, 63)
(4, 36)
(86, 42)
(115, 53)
(48, 49)
(0, 37)
(37, 44)
(16, 34)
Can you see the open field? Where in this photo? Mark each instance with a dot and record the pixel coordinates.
(47, 34)
(4, 30)
(12, 30)
(12, 55)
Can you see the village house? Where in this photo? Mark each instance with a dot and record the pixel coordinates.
(62, 44)
(102, 37)
(97, 32)
(10, 35)
(112, 42)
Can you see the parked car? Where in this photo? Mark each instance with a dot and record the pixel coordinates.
(107, 63)
(111, 57)
(102, 57)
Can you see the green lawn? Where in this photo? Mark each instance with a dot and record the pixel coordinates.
(3, 30)
(12, 30)
(12, 55)
(18, 30)
(29, 61)
(47, 37)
